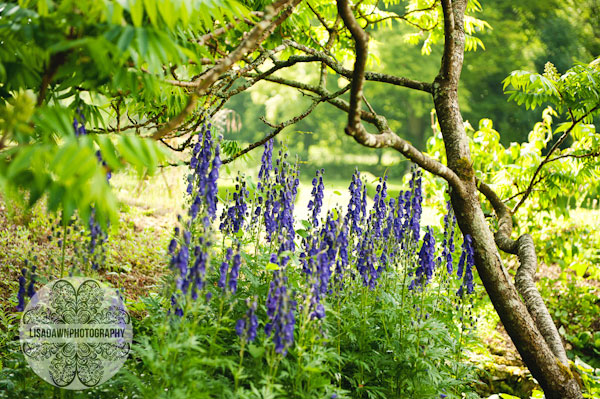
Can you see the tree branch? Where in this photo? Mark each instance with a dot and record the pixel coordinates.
(558, 142)
(576, 156)
(56, 60)
(402, 17)
(252, 41)
(371, 76)
(279, 127)
(386, 138)
(447, 69)
(524, 248)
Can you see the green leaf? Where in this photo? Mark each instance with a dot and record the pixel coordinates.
(108, 151)
(302, 233)
(256, 351)
(136, 9)
(150, 6)
(271, 267)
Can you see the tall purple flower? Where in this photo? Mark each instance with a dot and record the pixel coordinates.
(79, 125)
(180, 263)
(266, 161)
(211, 185)
(342, 261)
(234, 216)
(198, 270)
(316, 202)
(172, 246)
(426, 266)
(31, 285)
(398, 215)
(175, 306)
(366, 261)
(363, 203)
(379, 207)
(21, 292)
(416, 204)
(280, 311)
(203, 179)
(224, 269)
(466, 261)
(247, 327)
(355, 205)
(427, 254)
(279, 204)
(235, 271)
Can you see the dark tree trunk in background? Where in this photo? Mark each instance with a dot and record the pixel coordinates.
(417, 126)
(307, 141)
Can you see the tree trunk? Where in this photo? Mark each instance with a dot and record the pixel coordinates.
(555, 378)
(536, 340)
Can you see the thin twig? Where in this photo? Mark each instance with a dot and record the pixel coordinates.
(558, 142)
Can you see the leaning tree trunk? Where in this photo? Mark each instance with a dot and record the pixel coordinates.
(537, 341)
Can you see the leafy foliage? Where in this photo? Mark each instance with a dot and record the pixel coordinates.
(96, 61)
(576, 91)
(394, 325)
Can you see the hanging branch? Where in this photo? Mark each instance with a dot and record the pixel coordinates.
(252, 41)
(279, 127)
(386, 138)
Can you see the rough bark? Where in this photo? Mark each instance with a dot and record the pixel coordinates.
(535, 342)
(524, 282)
(526, 319)
(533, 300)
(556, 379)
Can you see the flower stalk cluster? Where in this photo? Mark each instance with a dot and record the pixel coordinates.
(337, 251)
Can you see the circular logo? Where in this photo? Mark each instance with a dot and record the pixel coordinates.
(76, 333)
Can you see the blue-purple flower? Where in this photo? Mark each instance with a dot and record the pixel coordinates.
(266, 161)
(223, 270)
(234, 216)
(355, 205)
(315, 204)
(280, 311)
(416, 204)
(466, 263)
(247, 326)
(235, 271)
(21, 292)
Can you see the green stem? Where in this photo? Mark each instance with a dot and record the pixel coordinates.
(460, 337)
(339, 339)
(236, 376)
(217, 328)
(62, 257)
(403, 296)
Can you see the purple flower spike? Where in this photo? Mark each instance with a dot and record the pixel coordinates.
(467, 261)
(316, 202)
(21, 292)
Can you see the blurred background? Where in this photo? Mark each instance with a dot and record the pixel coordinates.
(523, 35)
